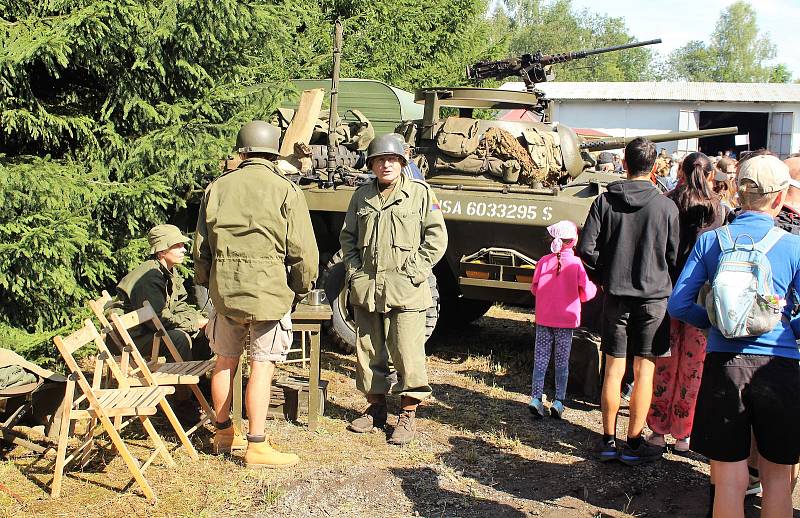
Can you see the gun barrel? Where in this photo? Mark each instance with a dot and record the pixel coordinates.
(569, 56)
(621, 142)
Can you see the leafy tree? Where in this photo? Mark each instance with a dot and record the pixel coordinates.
(114, 113)
(780, 73)
(556, 27)
(738, 52)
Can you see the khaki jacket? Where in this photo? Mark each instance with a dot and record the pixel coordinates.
(389, 249)
(255, 247)
(164, 291)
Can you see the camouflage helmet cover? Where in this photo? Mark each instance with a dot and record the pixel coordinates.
(389, 144)
(258, 137)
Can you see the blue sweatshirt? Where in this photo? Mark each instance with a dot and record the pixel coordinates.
(701, 267)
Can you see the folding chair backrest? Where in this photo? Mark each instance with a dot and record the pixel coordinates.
(99, 307)
(88, 334)
(142, 316)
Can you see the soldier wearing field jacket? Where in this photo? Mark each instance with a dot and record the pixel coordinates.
(256, 252)
(393, 234)
(157, 282)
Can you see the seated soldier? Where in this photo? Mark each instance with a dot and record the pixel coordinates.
(157, 282)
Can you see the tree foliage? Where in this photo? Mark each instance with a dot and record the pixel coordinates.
(555, 27)
(738, 52)
(114, 114)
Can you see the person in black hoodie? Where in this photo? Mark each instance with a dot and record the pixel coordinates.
(630, 245)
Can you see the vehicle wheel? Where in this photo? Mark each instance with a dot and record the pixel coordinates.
(458, 311)
(341, 328)
(432, 314)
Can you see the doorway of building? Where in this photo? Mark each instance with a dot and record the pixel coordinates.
(754, 123)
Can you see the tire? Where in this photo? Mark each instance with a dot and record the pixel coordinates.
(459, 311)
(341, 329)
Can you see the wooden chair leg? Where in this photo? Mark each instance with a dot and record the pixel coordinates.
(203, 402)
(63, 437)
(159, 444)
(176, 425)
(130, 460)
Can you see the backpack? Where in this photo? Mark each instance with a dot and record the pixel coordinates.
(458, 137)
(741, 302)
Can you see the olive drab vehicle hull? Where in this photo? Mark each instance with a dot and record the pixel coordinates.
(496, 227)
(499, 184)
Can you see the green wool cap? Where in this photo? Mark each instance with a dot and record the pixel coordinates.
(162, 237)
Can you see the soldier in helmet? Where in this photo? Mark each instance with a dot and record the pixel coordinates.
(256, 252)
(393, 234)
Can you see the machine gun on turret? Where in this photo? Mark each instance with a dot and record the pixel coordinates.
(532, 68)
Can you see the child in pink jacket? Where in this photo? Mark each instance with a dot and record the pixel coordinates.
(560, 285)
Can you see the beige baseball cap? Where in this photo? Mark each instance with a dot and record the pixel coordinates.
(162, 237)
(767, 172)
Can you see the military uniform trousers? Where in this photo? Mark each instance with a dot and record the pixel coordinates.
(401, 334)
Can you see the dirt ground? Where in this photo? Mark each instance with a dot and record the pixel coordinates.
(478, 454)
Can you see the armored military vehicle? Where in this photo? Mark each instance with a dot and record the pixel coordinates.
(499, 184)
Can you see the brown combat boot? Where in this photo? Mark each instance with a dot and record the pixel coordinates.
(406, 428)
(261, 454)
(373, 417)
(227, 439)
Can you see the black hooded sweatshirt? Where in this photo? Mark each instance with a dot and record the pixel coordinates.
(630, 240)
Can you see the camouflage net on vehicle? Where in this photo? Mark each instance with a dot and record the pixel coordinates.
(502, 144)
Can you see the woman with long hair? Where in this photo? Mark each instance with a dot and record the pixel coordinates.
(677, 377)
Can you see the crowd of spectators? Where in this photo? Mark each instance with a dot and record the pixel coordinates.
(653, 244)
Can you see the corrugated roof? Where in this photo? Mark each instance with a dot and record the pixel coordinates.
(664, 91)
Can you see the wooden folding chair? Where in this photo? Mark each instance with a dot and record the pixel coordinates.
(98, 404)
(178, 372)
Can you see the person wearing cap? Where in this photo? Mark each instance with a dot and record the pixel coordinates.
(393, 235)
(158, 282)
(750, 386)
(255, 250)
(605, 161)
(560, 285)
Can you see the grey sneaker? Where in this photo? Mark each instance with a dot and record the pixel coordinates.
(606, 451)
(373, 417)
(536, 408)
(406, 428)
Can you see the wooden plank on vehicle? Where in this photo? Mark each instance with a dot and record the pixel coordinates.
(302, 125)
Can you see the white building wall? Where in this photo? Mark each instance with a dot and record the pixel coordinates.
(630, 118)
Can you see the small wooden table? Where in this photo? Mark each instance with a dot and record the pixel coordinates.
(305, 318)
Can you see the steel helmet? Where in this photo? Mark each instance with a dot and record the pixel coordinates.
(258, 137)
(389, 144)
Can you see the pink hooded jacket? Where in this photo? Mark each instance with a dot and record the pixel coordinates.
(560, 292)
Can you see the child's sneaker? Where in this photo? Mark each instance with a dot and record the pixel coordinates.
(656, 439)
(557, 409)
(681, 445)
(536, 407)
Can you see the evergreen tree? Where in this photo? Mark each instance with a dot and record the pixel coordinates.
(115, 113)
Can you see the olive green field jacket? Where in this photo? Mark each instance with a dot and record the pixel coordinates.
(255, 247)
(390, 248)
(164, 291)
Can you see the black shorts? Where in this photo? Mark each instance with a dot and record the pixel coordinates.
(634, 327)
(741, 393)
